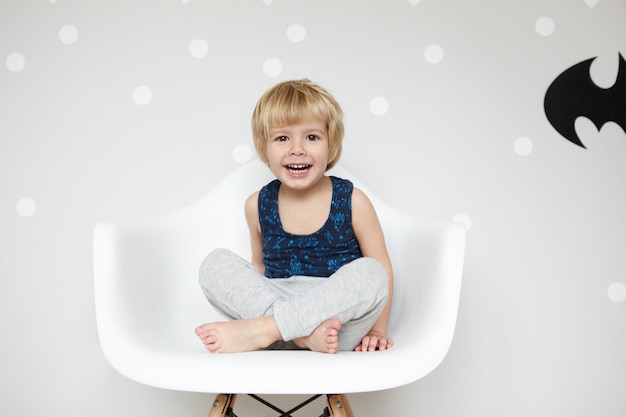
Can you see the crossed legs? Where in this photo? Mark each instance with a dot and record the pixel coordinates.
(320, 314)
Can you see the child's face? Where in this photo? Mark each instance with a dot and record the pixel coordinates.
(298, 154)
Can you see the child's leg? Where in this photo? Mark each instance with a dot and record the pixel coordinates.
(234, 287)
(355, 294)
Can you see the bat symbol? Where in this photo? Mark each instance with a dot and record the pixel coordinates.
(573, 94)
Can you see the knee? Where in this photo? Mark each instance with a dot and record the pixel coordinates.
(217, 256)
(213, 262)
(378, 281)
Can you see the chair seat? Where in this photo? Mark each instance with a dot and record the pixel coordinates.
(273, 372)
(148, 301)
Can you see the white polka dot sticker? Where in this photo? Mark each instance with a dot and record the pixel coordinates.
(26, 207)
(617, 292)
(544, 26)
(142, 95)
(15, 62)
(242, 153)
(414, 2)
(184, 1)
(68, 34)
(199, 48)
(464, 220)
(272, 67)
(296, 33)
(523, 146)
(433, 54)
(379, 106)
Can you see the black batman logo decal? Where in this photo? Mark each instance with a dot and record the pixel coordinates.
(574, 94)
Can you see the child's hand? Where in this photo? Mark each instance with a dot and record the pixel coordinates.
(374, 341)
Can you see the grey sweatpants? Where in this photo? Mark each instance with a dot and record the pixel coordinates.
(356, 294)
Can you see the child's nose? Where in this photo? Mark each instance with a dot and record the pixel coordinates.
(297, 148)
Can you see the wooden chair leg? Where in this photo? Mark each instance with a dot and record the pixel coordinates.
(223, 405)
(338, 405)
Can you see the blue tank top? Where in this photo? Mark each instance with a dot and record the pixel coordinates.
(319, 254)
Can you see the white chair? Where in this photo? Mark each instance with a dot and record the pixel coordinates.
(148, 303)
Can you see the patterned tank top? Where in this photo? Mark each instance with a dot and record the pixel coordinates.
(319, 254)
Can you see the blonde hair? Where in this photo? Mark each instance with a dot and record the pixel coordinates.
(293, 102)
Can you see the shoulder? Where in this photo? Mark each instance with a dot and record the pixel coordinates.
(342, 188)
(252, 203)
(362, 207)
(359, 197)
(252, 200)
(341, 183)
(268, 191)
(272, 185)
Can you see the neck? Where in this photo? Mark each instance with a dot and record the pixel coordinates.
(313, 191)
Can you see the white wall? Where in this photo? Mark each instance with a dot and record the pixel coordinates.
(541, 328)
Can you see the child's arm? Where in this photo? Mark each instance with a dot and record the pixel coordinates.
(369, 234)
(256, 243)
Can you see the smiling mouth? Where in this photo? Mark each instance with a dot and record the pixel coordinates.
(298, 168)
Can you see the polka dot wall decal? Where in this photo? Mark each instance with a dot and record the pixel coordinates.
(26, 207)
(296, 33)
(242, 153)
(68, 34)
(272, 67)
(464, 220)
(379, 106)
(617, 292)
(15, 62)
(544, 26)
(433, 54)
(142, 95)
(523, 146)
(198, 48)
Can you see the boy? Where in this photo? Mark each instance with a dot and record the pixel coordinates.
(320, 277)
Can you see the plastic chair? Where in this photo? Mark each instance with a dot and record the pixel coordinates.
(148, 303)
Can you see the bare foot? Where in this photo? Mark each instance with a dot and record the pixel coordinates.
(324, 338)
(238, 335)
